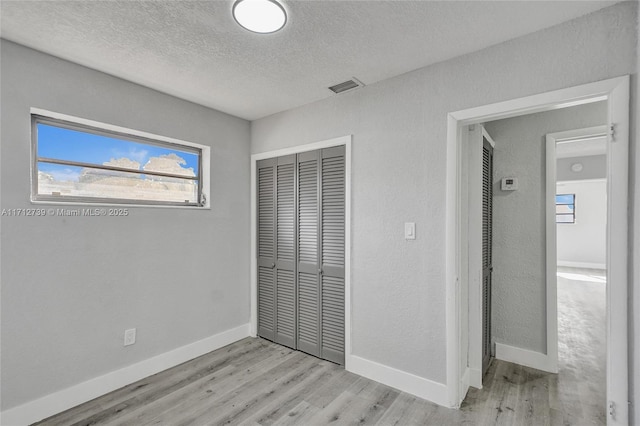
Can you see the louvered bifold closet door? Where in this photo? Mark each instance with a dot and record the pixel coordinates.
(285, 269)
(309, 319)
(266, 184)
(487, 235)
(332, 231)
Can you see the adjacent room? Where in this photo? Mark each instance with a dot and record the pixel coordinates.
(314, 212)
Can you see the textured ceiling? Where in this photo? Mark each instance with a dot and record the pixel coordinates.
(194, 50)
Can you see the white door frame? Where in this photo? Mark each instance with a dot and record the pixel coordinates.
(616, 92)
(471, 262)
(343, 140)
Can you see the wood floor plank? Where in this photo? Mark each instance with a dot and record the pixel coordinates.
(206, 388)
(237, 399)
(297, 414)
(190, 408)
(403, 411)
(326, 392)
(505, 412)
(332, 412)
(369, 405)
(277, 393)
(288, 401)
(442, 416)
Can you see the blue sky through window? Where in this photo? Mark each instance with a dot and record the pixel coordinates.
(60, 143)
(565, 199)
(565, 208)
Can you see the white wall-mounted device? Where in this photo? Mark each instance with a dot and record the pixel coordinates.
(409, 231)
(509, 184)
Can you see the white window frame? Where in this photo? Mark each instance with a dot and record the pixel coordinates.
(566, 214)
(109, 130)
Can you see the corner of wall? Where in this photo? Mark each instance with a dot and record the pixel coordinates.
(406, 382)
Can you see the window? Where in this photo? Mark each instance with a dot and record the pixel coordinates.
(566, 208)
(83, 163)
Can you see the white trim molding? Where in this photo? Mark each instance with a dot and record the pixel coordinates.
(401, 380)
(526, 357)
(62, 400)
(339, 141)
(586, 265)
(616, 92)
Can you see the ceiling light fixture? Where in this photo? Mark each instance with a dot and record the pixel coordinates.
(576, 167)
(259, 16)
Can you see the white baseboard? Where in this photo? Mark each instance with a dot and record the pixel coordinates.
(475, 378)
(465, 379)
(401, 380)
(525, 357)
(64, 399)
(464, 385)
(588, 265)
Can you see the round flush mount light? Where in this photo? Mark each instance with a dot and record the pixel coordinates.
(260, 16)
(576, 167)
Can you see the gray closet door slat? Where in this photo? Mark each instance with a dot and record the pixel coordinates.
(285, 331)
(266, 248)
(332, 229)
(308, 262)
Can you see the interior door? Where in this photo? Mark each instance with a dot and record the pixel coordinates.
(487, 234)
(285, 283)
(332, 229)
(309, 321)
(301, 265)
(266, 171)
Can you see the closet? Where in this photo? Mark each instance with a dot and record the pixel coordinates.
(300, 251)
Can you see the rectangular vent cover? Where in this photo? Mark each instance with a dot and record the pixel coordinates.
(347, 85)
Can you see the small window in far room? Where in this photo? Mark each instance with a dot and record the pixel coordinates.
(80, 163)
(566, 208)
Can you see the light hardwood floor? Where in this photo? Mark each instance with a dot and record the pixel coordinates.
(256, 382)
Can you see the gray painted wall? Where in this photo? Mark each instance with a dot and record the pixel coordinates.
(398, 175)
(71, 286)
(584, 241)
(519, 296)
(593, 167)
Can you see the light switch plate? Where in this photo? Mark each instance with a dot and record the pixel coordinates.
(409, 231)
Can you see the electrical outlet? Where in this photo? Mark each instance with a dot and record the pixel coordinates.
(129, 337)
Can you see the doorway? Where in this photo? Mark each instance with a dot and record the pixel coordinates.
(461, 349)
(577, 159)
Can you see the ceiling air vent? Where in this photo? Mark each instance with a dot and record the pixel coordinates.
(347, 85)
